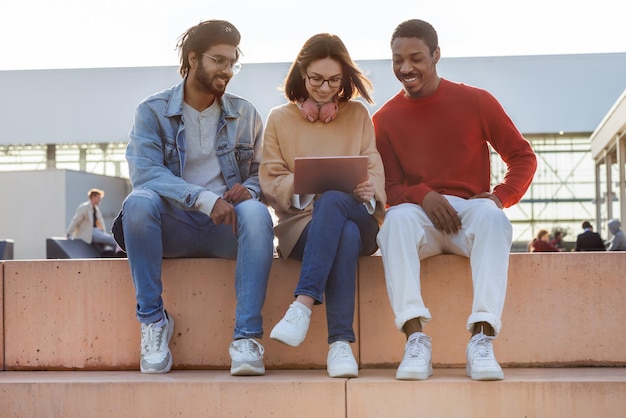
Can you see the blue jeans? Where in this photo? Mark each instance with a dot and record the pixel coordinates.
(155, 228)
(341, 230)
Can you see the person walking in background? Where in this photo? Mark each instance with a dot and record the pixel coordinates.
(328, 231)
(193, 155)
(88, 223)
(618, 242)
(434, 138)
(589, 240)
(540, 243)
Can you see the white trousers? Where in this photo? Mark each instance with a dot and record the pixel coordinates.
(408, 236)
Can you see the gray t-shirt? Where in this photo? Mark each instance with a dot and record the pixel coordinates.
(201, 165)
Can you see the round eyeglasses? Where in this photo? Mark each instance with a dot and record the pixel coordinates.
(222, 63)
(318, 81)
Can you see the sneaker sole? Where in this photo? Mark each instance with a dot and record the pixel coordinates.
(285, 339)
(412, 375)
(343, 372)
(246, 369)
(485, 376)
(168, 367)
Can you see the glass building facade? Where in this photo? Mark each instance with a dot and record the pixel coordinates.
(561, 196)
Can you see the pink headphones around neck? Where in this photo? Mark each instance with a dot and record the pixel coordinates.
(311, 111)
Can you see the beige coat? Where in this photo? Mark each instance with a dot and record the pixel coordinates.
(81, 225)
(289, 135)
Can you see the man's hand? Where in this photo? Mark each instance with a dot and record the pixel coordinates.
(237, 194)
(485, 195)
(441, 213)
(224, 213)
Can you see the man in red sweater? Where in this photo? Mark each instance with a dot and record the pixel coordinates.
(434, 138)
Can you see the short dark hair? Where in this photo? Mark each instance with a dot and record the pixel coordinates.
(204, 35)
(586, 225)
(320, 46)
(416, 28)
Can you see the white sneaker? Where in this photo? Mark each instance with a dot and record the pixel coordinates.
(481, 362)
(155, 351)
(340, 361)
(292, 329)
(416, 363)
(247, 358)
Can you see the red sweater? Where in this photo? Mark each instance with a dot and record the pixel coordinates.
(439, 143)
(539, 246)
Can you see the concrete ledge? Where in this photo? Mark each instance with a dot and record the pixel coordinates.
(179, 393)
(572, 393)
(562, 310)
(80, 314)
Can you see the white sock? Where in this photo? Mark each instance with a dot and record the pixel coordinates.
(302, 307)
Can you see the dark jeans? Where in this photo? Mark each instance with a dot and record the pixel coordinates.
(341, 230)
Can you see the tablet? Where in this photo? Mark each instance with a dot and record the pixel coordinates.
(313, 175)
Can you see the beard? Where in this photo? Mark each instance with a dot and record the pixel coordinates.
(206, 81)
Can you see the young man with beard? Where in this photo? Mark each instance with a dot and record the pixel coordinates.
(194, 154)
(434, 138)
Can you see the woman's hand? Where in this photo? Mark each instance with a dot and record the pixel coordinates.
(364, 192)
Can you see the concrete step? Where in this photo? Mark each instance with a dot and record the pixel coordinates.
(537, 392)
(563, 309)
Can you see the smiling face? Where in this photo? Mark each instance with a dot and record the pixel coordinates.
(415, 66)
(209, 76)
(328, 71)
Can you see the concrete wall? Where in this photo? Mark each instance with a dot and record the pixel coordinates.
(36, 205)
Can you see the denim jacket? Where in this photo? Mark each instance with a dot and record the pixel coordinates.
(156, 150)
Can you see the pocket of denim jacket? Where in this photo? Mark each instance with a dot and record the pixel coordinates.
(244, 152)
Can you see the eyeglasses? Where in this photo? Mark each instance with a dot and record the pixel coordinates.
(317, 81)
(222, 63)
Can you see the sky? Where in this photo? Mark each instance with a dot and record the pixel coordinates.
(58, 34)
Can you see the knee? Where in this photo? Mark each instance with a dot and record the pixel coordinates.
(401, 219)
(491, 223)
(330, 198)
(494, 217)
(252, 214)
(139, 205)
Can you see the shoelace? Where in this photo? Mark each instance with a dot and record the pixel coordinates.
(294, 315)
(416, 348)
(249, 347)
(483, 347)
(151, 337)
